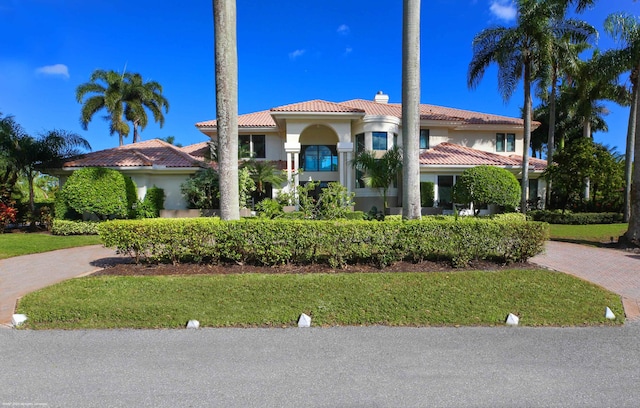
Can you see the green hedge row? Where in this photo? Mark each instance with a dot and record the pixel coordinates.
(553, 217)
(337, 243)
(65, 227)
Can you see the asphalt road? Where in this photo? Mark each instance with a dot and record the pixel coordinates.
(322, 367)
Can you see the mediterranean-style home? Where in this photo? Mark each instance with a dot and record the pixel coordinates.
(316, 140)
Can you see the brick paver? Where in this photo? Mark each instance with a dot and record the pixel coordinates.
(613, 269)
(23, 274)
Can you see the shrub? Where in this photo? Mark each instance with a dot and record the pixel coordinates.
(202, 190)
(103, 193)
(7, 215)
(152, 203)
(427, 194)
(273, 242)
(335, 201)
(556, 217)
(269, 208)
(65, 227)
(485, 185)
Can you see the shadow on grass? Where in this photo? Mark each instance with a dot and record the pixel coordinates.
(598, 244)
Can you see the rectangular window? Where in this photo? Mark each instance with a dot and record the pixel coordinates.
(360, 143)
(424, 138)
(511, 142)
(252, 146)
(499, 142)
(445, 192)
(379, 140)
(319, 158)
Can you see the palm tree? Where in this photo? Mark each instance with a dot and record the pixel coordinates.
(411, 109)
(519, 52)
(380, 173)
(226, 65)
(107, 90)
(263, 172)
(565, 50)
(10, 132)
(31, 155)
(626, 30)
(140, 96)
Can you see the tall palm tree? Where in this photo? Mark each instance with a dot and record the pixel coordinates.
(519, 52)
(625, 28)
(380, 173)
(226, 65)
(139, 97)
(411, 109)
(107, 92)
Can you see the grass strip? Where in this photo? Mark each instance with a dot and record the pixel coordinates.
(539, 297)
(16, 244)
(589, 234)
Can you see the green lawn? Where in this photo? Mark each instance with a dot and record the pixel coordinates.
(592, 234)
(16, 244)
(539, 297)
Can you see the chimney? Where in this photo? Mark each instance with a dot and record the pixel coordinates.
(381, 97)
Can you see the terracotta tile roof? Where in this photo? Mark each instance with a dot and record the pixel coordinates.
(197, 150)
(368, 107)
(260, 119)
(433, 112)
(143, 154)
(448, 154)
(318, 106)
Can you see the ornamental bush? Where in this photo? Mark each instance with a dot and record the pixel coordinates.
(95, 191)
(485, 185)
(152, 203)
(337, 243)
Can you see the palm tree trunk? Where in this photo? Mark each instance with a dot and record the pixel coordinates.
(135, 132)
(411, 109)
(226, 65)
(633, 233)
(628, 157)
(527, 136)
(551, 135)
(586, 132)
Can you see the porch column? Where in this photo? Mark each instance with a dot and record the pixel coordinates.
(344, 156)
(293, 149)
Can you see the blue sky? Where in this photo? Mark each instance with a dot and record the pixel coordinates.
(288, 51)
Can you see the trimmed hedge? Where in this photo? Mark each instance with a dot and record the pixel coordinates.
(553, 217)
(337, 243)
(64, 227)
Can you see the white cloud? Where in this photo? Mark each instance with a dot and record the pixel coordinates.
(343, 29)
(296, 54)
(348, 51)
(56, 69)
(503, 10)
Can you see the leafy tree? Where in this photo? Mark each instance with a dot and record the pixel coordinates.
(411, 109)
(335, 202)
(101, 192)
(150, 206)
(582, 159)
(202, 189)
(125, 97)
(379, 173)
(521, 52)
(626, 30)
(226, 67)
(485, 185)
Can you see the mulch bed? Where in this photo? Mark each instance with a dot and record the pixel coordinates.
(132, 269)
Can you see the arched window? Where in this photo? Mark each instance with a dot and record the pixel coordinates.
(319, 158)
